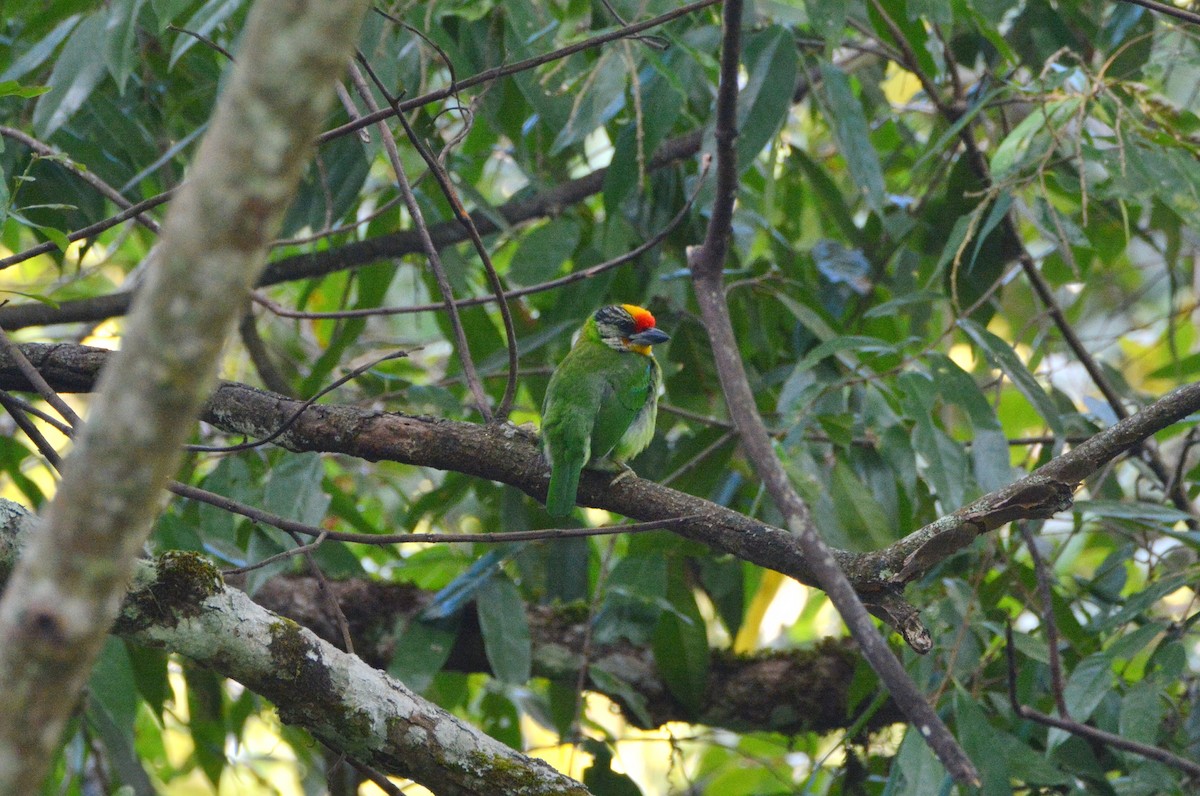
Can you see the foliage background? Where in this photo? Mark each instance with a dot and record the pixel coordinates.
(896, 343)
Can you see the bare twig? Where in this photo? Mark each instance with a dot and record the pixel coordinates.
(43, 389)
(45, 417)
(293, 526)
(286, 554)
(498, 72)
(35, 436)
(575, 276)
(1168, 9)
(431, 252)
(90, 177)
(1049, 626)
(1083, 730)
(464, 218)
(89, 231)
(304, 405)
(205, 40)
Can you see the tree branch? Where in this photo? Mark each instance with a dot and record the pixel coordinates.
(511, 456)
(180, 603)
(786, 692)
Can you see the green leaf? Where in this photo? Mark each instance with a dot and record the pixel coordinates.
(1000, 756)
(600, 95)
(1088, 683)
(612, 684)
(234, 479)
(771, 62)
(112, 685)
(945, 462)
(121, 51)
(294, 488)
(1154, 514)
(916, 771)
(1018, 148)
(76, 73)
(1140, 602)
(11, 88)
(600, 778)
(989, 447)
(1142, 710)
(150, 673)
(541, 252)
(681, 647)
(852, 132)
(120, 753)
(206, 714)
(34, 57)
(661, 105)
(422, 648)
(1183, 368)
(637, 589)
(505, 630)
(828, 20)
(862, 518)
(1002, 356)
(167, 10)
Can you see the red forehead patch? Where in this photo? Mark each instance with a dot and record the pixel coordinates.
(641, 317)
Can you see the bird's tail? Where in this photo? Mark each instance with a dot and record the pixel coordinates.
(564, 483)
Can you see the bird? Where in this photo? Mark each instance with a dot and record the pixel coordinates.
(602, 400)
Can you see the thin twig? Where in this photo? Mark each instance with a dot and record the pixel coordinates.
(1078, 728)
(286, 554)
(206, 41)
(89, 231)
(45, 417)
(431, 251)
(35, 436)
(1168, 9)
(378, 777)
(1049, 626)
(468, 224)
(35, 378)
(575, 276)
(495, 73)
(293, 526)
(90, 177)
(301, 409)
(323, 586)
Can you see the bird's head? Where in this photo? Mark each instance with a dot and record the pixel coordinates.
(626, 327)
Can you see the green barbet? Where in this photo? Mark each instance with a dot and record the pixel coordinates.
(602, 400)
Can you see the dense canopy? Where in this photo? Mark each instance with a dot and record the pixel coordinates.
(907, 254)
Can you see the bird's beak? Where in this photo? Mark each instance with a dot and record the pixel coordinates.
(650, 337)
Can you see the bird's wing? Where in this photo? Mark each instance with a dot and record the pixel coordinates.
(624, 394)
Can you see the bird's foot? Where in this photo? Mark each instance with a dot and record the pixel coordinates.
(625, 472)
